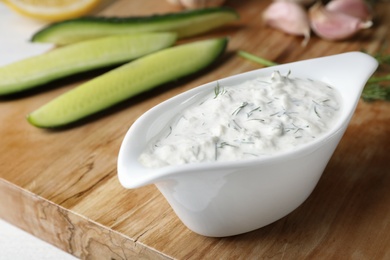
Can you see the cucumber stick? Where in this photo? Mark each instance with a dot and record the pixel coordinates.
(127, 81)
(79, 57)
(185, 24)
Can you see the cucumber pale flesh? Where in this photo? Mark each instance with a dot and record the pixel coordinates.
(185, 24)
(79, 57)
(127, 81)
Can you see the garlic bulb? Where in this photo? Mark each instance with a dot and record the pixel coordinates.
(357, 8)
(289, 17)
(196, 4)
(334, 25)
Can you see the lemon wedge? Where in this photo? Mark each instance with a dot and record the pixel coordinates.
(50, 10)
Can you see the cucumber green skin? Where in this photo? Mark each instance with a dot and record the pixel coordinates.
(80, 57)
(185, 24)
(127, 81)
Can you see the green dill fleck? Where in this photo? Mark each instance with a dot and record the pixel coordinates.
(315, 111)
(234, 121)
(218, 90)
(249, 114)
(223, 144)
(157, 144)
(274, 114)
(170, 132)
(315, 108)
(235, 112)
(256, 119)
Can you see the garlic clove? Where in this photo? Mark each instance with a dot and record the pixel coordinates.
(333, 25)
(197, 4)
(301, 2)
(288, 17)
(357, 8)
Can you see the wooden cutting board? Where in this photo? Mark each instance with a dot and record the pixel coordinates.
(62, 186)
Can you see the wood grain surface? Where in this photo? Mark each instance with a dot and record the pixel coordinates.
(62, 186)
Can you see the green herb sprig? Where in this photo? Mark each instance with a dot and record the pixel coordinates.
(257, 59)
(375, 89)
(378, 86)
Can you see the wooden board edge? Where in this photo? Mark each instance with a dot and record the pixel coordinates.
(65, 229)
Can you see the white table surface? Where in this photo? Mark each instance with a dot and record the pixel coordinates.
(15, 32)
(17, 244)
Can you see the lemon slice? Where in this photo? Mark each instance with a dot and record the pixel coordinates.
(50, 10)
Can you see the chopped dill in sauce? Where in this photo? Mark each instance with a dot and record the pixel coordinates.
(260, 117)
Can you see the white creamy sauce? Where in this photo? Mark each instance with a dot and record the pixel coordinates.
(257, 118)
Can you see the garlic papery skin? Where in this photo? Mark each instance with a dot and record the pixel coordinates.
(357, 8)
(197, 4)
(288, 17)
(301, 2)
(332, 25)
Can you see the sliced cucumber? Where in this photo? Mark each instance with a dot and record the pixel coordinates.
(126, 81)
(185, 24)
(79, 57)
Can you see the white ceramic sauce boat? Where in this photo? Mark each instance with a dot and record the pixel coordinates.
(229, 198)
